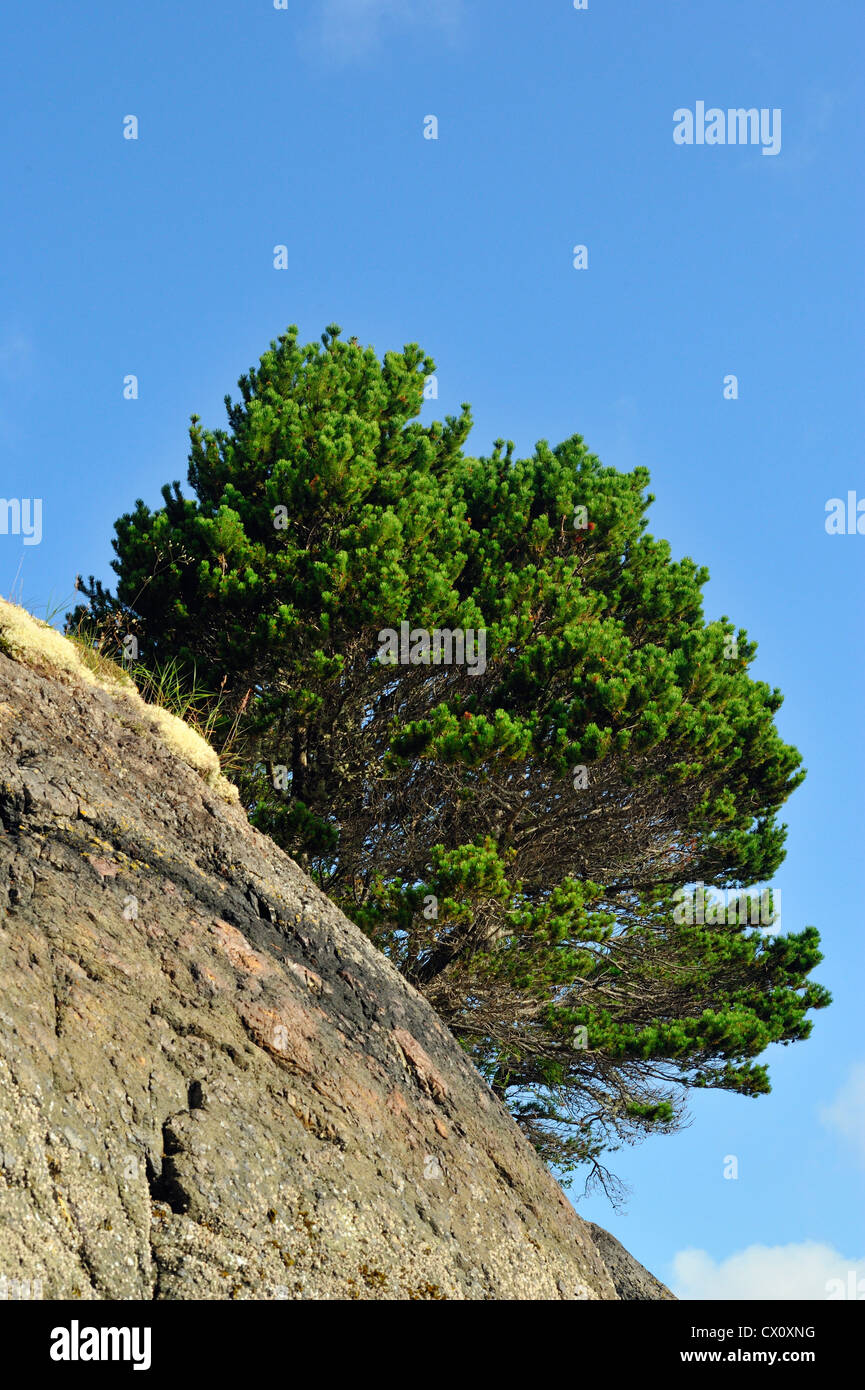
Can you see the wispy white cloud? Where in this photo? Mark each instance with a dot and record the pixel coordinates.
(846, 1114)
(808, 1270)
(350, 29)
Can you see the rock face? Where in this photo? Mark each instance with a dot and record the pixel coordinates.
(211, 1084)
(631, 1280)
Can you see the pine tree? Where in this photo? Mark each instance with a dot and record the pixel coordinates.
(511, 837)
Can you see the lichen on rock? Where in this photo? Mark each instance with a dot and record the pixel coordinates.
(28, 639)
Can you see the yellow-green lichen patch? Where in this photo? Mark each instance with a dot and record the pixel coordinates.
(37, 644)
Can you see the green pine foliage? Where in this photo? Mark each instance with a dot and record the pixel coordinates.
(440, 809)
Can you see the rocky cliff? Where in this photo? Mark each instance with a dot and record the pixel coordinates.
(211, 1084)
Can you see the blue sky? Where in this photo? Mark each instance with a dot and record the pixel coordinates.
(304, 127)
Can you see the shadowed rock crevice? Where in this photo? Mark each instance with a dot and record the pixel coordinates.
(164, 1185)
(211, 1084)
